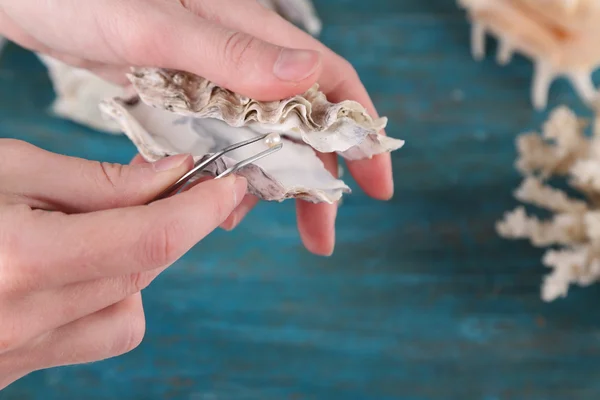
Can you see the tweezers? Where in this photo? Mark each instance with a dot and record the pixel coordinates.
(272, 140)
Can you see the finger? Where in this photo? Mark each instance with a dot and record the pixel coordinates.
(15, 33)
(69, 184)
(240, 212)
(47, 310)
(52, 249)
(236, 216)
(338, 78)
(373, 175)
(167, 35)
(138, 159)
(116, 74)
(316, 222)
(109, 333)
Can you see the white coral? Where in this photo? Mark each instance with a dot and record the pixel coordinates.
(561, 150)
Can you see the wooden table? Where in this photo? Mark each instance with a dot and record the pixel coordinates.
(421, 300)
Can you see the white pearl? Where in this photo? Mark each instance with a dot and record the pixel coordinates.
(272, 139)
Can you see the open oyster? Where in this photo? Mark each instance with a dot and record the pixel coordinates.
(176, 112)
(559, 36)
(572, 232)
(300, 12)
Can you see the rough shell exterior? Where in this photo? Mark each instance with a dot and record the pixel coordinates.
(345, 127)
(559, 36)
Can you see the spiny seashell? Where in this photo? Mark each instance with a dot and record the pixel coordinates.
(177, 112)
(559, 36)
(300, 12)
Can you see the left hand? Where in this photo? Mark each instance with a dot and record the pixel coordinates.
(216, 39)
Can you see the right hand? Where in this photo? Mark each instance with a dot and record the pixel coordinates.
(77, 245)
(238, 44)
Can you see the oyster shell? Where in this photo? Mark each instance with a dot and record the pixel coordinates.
(559, 36)
(300, 12)
(345, 127)
(176, 112)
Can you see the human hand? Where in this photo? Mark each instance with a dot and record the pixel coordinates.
(234, 43)
(77, 245)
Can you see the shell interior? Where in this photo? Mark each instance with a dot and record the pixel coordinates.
(295, 171)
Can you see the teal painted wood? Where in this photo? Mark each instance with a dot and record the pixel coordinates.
(421, 299)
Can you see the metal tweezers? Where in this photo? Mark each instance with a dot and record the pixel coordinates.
(272, 140)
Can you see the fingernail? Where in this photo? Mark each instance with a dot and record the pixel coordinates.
(296, 65)
(239, 190)
(230, 222)
(170, 162)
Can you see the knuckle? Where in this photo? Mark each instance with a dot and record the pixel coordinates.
(108, 174)
(189, 5)
(238, 47)
(137, 282)
(201, 9)
(160, 245)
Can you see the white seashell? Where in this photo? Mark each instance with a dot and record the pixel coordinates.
(559, 36)
(301, 12)
(78, 93)
(184, 113)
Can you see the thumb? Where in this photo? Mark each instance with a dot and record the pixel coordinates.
(74, 185)
(232, 59)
